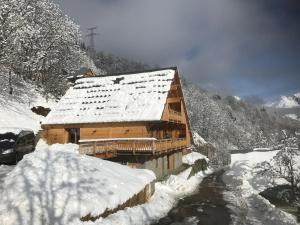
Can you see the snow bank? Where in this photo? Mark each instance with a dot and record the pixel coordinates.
(4, 170)
(192, 157)
(55, 185)
(166, 196)
(243, 164)
(245, 187)
(198, 140)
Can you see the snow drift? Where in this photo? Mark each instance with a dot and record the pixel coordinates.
(56, 185)
(245, 185)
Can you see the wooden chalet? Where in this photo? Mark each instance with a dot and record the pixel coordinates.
(138, 119)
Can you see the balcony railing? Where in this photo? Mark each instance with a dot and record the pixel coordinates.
(131, 145)
(175, 116)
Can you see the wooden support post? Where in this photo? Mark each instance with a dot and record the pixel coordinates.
(153, 147)
(133, 148)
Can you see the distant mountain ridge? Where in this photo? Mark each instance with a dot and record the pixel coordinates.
(287, 106)
(292, 101)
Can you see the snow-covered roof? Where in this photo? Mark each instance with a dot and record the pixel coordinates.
(118, 98)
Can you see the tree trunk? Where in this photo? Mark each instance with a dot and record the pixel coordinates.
(10, 83)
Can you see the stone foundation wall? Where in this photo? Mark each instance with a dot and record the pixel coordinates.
(161, 165)
(164, 165)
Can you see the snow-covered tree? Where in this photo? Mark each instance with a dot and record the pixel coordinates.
(38, 42)
(285, 165)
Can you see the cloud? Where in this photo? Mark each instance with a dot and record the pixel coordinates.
(229, 46)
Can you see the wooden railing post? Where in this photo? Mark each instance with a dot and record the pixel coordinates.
(133, 148)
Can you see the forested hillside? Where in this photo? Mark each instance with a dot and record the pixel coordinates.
(112, 64)
(230, 123)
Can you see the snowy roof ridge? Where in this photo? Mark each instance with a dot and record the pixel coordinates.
(139, 71)
(114, 98)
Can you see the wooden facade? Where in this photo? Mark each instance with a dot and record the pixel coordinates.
(106, 140)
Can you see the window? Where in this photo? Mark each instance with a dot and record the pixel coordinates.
(74, 135)
(168, 134)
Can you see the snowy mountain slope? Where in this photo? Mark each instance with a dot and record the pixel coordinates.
(287, 107)
(15, 110)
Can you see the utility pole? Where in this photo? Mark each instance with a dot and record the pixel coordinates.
(91, 35)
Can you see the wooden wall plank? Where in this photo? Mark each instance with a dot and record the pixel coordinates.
(56, 135)
(133, 131)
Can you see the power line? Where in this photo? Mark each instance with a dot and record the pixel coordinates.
(91, 35)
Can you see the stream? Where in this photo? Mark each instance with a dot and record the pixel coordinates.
(205, 207)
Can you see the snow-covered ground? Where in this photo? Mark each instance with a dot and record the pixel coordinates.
(292, 116)
(166, 196)
(15, 110)
(244, 188)
(4, 170)
(192, 157)
(56, 185)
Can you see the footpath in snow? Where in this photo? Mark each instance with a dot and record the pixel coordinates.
(244, 188)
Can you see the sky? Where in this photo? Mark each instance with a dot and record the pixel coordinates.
(232, 47)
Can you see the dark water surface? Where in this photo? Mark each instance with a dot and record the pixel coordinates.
(206, 207)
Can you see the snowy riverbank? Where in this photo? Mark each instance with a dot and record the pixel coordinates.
(244, 188)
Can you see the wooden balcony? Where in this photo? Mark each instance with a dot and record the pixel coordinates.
(107, 148)
(175, 116)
